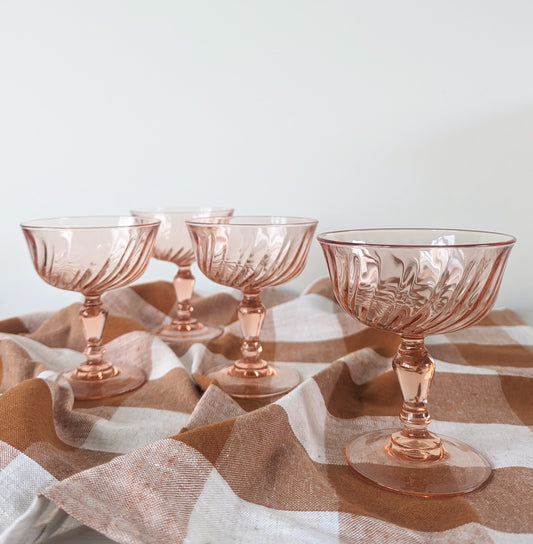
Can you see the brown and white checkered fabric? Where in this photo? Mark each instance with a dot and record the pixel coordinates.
(167, 463)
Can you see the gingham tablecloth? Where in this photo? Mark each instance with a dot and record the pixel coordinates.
(168, 463)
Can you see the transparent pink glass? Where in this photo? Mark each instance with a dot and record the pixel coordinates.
(416, 282)
(92, 255)
(173, 244)
(250, 254)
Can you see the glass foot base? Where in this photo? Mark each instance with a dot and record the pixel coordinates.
(276, 382)
(204, 333)
(461, 470)
(126, 379)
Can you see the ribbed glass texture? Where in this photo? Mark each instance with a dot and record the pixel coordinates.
(90, 255)
(251, 253)
(173, 243)
(416, 282)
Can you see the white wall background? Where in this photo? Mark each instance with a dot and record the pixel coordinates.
(358, 113)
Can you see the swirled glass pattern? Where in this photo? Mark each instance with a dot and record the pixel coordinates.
(416, 281)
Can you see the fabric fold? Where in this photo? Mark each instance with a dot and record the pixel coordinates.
(178, 460)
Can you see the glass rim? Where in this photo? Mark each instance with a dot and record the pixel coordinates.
(328, 238)
(181, 210)
(255, 221)
(82, 222)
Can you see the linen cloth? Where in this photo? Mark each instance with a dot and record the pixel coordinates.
(170, 463)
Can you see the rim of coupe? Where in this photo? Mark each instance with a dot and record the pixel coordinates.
(254, 221)
(484, 238)
(90, 222)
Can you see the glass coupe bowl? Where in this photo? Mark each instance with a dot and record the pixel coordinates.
(173, 244)
(250, 254)
(416, 282)
(92, 255)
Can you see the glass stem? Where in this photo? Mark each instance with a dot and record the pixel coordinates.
(93, 317)
(251, 314)
(414, 369)
(184, 287)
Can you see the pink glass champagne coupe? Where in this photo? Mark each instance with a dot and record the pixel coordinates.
(416, 282)
(173, 244)
(250, 254)
(92, 255)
